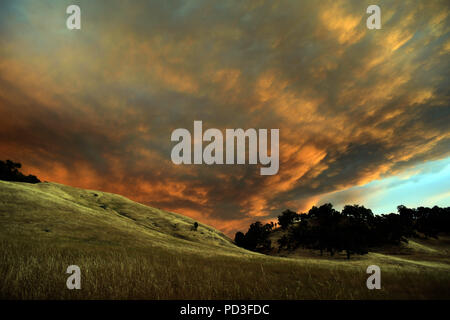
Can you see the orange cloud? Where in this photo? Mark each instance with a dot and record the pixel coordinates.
(95, 109)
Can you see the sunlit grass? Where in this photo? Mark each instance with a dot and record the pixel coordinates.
(37, 271)
(130, 251)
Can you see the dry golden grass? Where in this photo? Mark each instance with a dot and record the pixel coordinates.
(129, 251)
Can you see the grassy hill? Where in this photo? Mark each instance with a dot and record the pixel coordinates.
(130, 251)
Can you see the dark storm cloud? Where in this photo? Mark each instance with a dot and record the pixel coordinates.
(352, 105)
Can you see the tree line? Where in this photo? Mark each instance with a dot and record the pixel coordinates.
(354, 230)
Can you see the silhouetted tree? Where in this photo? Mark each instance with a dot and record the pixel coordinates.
(283, 242)
(9, 171)
(287, 218)
(325, 222)
(354, 230)
(407, 220)
(256, 238)
(239, 239)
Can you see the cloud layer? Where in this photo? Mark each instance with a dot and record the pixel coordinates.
(95, 108)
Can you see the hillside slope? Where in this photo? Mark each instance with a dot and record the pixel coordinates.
(65, 214)
(127, 250)
(430, 252)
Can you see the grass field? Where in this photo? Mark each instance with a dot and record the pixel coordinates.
(130, 251)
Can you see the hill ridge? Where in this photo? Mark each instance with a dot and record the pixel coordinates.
(34, 202)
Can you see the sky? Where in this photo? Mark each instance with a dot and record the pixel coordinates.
(363, 114)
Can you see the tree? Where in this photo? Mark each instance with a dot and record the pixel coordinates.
(407, 220)
(9, 171)
(283, 242)
(287, 218)
(256, 238)
(300, 235)
(354, 230)
(325, 222)
(359, 213)
(239, 239)
(353, 235)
